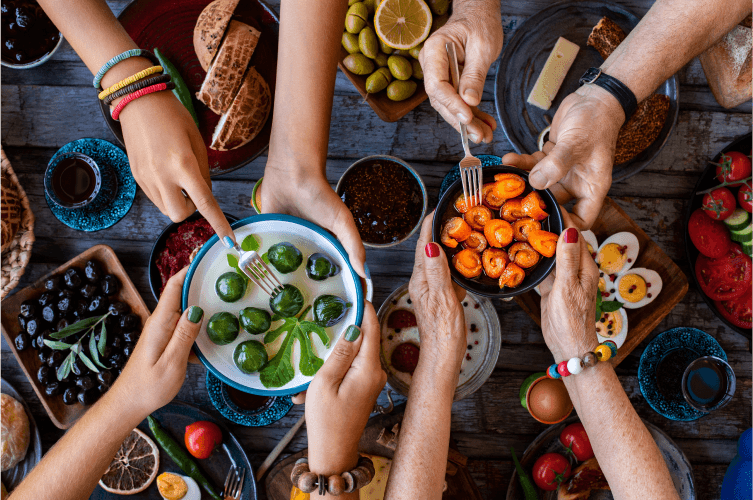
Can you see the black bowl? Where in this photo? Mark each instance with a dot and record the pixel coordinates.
(534, 276)
(155, 281)
(705, 181)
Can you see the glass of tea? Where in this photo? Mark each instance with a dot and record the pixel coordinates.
(72, 180)
(708, 383)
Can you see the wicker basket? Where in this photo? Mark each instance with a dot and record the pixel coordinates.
(16, 257)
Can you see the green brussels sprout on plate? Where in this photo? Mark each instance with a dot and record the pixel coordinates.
(288, 302)
(319, 267)
(285, 257)
(223, 328)
(329, 310)
(250, 356)
(255, 321)
(230, 287)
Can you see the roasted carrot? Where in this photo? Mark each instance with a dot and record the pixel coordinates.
(476, 242)
(543, 242)
(478, 216)
(491, 200)
(509, 186)
(523, 254)
(498, 233)
(522, 227)
(494, 260)
(534, 206)
(512, 210)
(455, 231)
(468, 263)
(460, 204)
(512, 276)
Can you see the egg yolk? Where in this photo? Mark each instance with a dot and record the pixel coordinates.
(602, 284)
(632, 287)
(609, 325)
(171, 486)
(612, 258)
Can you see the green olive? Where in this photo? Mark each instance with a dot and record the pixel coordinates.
(416, 50)
(367, 42)
(350, 42)
(439, 7)
(386, 49)
(378, 80)
(358, 64)
(401, 52)
(418, 72)
(400, 90)
(438, 22)
(351, 2)
(356, 18)
(400, 67)
(381, 60)
(371, 6)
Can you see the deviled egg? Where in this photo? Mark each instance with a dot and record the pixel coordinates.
(613, 326)
(606, 285)
(176, 487)
(591, 243)
(638, 287)
(618, 253)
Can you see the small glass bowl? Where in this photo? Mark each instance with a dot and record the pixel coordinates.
(50, 172)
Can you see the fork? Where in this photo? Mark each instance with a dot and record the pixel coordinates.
(258, 271)
(470, 167)
(234, 484)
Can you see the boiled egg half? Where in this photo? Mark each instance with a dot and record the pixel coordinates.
(637, 287)
(618, 253)
(176, 487)
(591, 243)
(613, 326)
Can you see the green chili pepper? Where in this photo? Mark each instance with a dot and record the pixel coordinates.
(180, 457)
(529, 490)
(181, 89)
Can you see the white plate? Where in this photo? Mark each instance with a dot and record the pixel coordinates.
(211, 262)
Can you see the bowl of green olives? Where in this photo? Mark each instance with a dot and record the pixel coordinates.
(273, 345)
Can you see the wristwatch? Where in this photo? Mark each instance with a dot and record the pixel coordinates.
(619, 90)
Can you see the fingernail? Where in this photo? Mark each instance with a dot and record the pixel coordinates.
(571, 235)
(366, 270)
(537, 180)
(463, 117)
(471, 94)
(195, 313)
(432, 250)
(473, 137)
(352, 333)
(228, 242)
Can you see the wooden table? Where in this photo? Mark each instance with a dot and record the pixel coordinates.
(46, 107)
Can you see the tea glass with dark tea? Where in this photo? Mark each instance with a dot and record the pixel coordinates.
(708, 383)
(73, 180)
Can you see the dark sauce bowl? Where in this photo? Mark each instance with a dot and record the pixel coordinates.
(534, 276)
(34, 42)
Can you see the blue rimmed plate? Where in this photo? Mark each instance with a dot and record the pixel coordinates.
(684, 345)
(271, 411)
(114, 199)
(269, 229)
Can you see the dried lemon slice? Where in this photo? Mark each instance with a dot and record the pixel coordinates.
(402, 24)
(134, 466)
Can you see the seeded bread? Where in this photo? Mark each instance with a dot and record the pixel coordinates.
(605, 37)
(246, 116)
(210, 28)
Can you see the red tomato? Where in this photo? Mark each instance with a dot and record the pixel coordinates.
(709, 236)
(738, 310)
(733, 166)
(201, 438)
(550, 470)
(575, 439)
(719, 203)
(745, 197)
(726, 277)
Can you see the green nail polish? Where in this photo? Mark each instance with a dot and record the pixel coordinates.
(352, 333)
(195, 313)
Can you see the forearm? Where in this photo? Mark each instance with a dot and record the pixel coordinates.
(72, 468)
(668, 37)
(477, 10)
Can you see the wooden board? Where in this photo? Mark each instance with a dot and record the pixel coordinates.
(62, 415)
(612, 219)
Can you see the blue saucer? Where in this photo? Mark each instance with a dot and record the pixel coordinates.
(272, 411)
(454, 173)
(114, 200)
(697, 343)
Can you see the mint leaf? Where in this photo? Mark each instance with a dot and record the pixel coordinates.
(265, 258)
(232, 261)
(610, 306)
(250, 244)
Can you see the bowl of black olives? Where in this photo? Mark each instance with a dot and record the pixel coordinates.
(29, 37)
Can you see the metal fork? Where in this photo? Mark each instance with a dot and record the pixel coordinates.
(258, 271)
(470, 167)
(234, 484)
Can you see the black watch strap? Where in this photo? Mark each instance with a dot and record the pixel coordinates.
(619, 90)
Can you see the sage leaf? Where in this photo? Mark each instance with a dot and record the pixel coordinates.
(65, 367)
(76, 327)
(250, 243)
(58, 346)
(88, 362)
(102, 340)
(93, 350)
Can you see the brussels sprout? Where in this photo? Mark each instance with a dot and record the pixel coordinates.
(285, 257)
(329, 310)
(223, 328)
(230, 287)
(250, 356)
(288, 302)
(319, 267)
(255, 321)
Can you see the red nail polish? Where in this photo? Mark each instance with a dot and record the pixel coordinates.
(432, 250)
(571, 235)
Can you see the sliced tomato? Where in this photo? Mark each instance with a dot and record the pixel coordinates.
(738, 310)
(709, 236)
(726, 277)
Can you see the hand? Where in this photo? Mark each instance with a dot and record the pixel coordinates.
(477, 35)
(440, 316)
(154, 374)
(341, 397)
(579, 158)
(568, 301)
(312, 199)
(167, 155)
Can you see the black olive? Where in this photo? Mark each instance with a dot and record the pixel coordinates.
(49, 314)
(107, 351)
(86, 397)
(22, 341)
(43, 374)
(110, 285)
(128, 349)
(52, 388)
(93, 271)
(116, 360)
(101, 388)
(98, 304)
(55, 359)
(114, 341)
(113, 324)
(63, 323)
(34, 326)
(28, 308)
(22, 322)
(44, 354)
(105, 378)
(119, 309)
(88, 291)
(85, 382)
(52, 283)
(129, 322)
(131, 337)
(24, 17)
(72, 279)
(80, 310)
(46, 298)
(66, 301)
(69, 396)
(79, 368)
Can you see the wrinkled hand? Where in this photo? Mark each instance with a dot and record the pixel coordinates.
(568, 300)
(440, 316)
(477, 35)
(341, 397)
(167, 155)
(156, 370)
(580, 154)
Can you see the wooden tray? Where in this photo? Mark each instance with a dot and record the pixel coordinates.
(62, 415)
(612, 219)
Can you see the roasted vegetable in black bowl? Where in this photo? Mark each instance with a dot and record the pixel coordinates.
(329, 310)
(285, 257)
(288, 302)
(319, 267)
(255, 321)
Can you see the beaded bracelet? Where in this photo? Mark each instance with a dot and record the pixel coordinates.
(141, 84)
(121, 57)
(603, 352)
(131, 79)
(347, 482)
(140, 93)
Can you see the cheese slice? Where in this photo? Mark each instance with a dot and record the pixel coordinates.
(554, 72)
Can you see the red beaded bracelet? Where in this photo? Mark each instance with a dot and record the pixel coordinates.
(140, 93)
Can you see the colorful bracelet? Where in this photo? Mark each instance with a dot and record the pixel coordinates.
(121, 57)
(140, 93)
(603, 352)
(131, 79)
(347, 482)
(141, 84)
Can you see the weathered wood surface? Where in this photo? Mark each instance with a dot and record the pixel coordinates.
(44, 108)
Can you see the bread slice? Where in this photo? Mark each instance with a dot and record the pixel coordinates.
(586, 477)
(727, 66)
(210, 28)
(246, 116)
(225, 74)
(605, 37)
